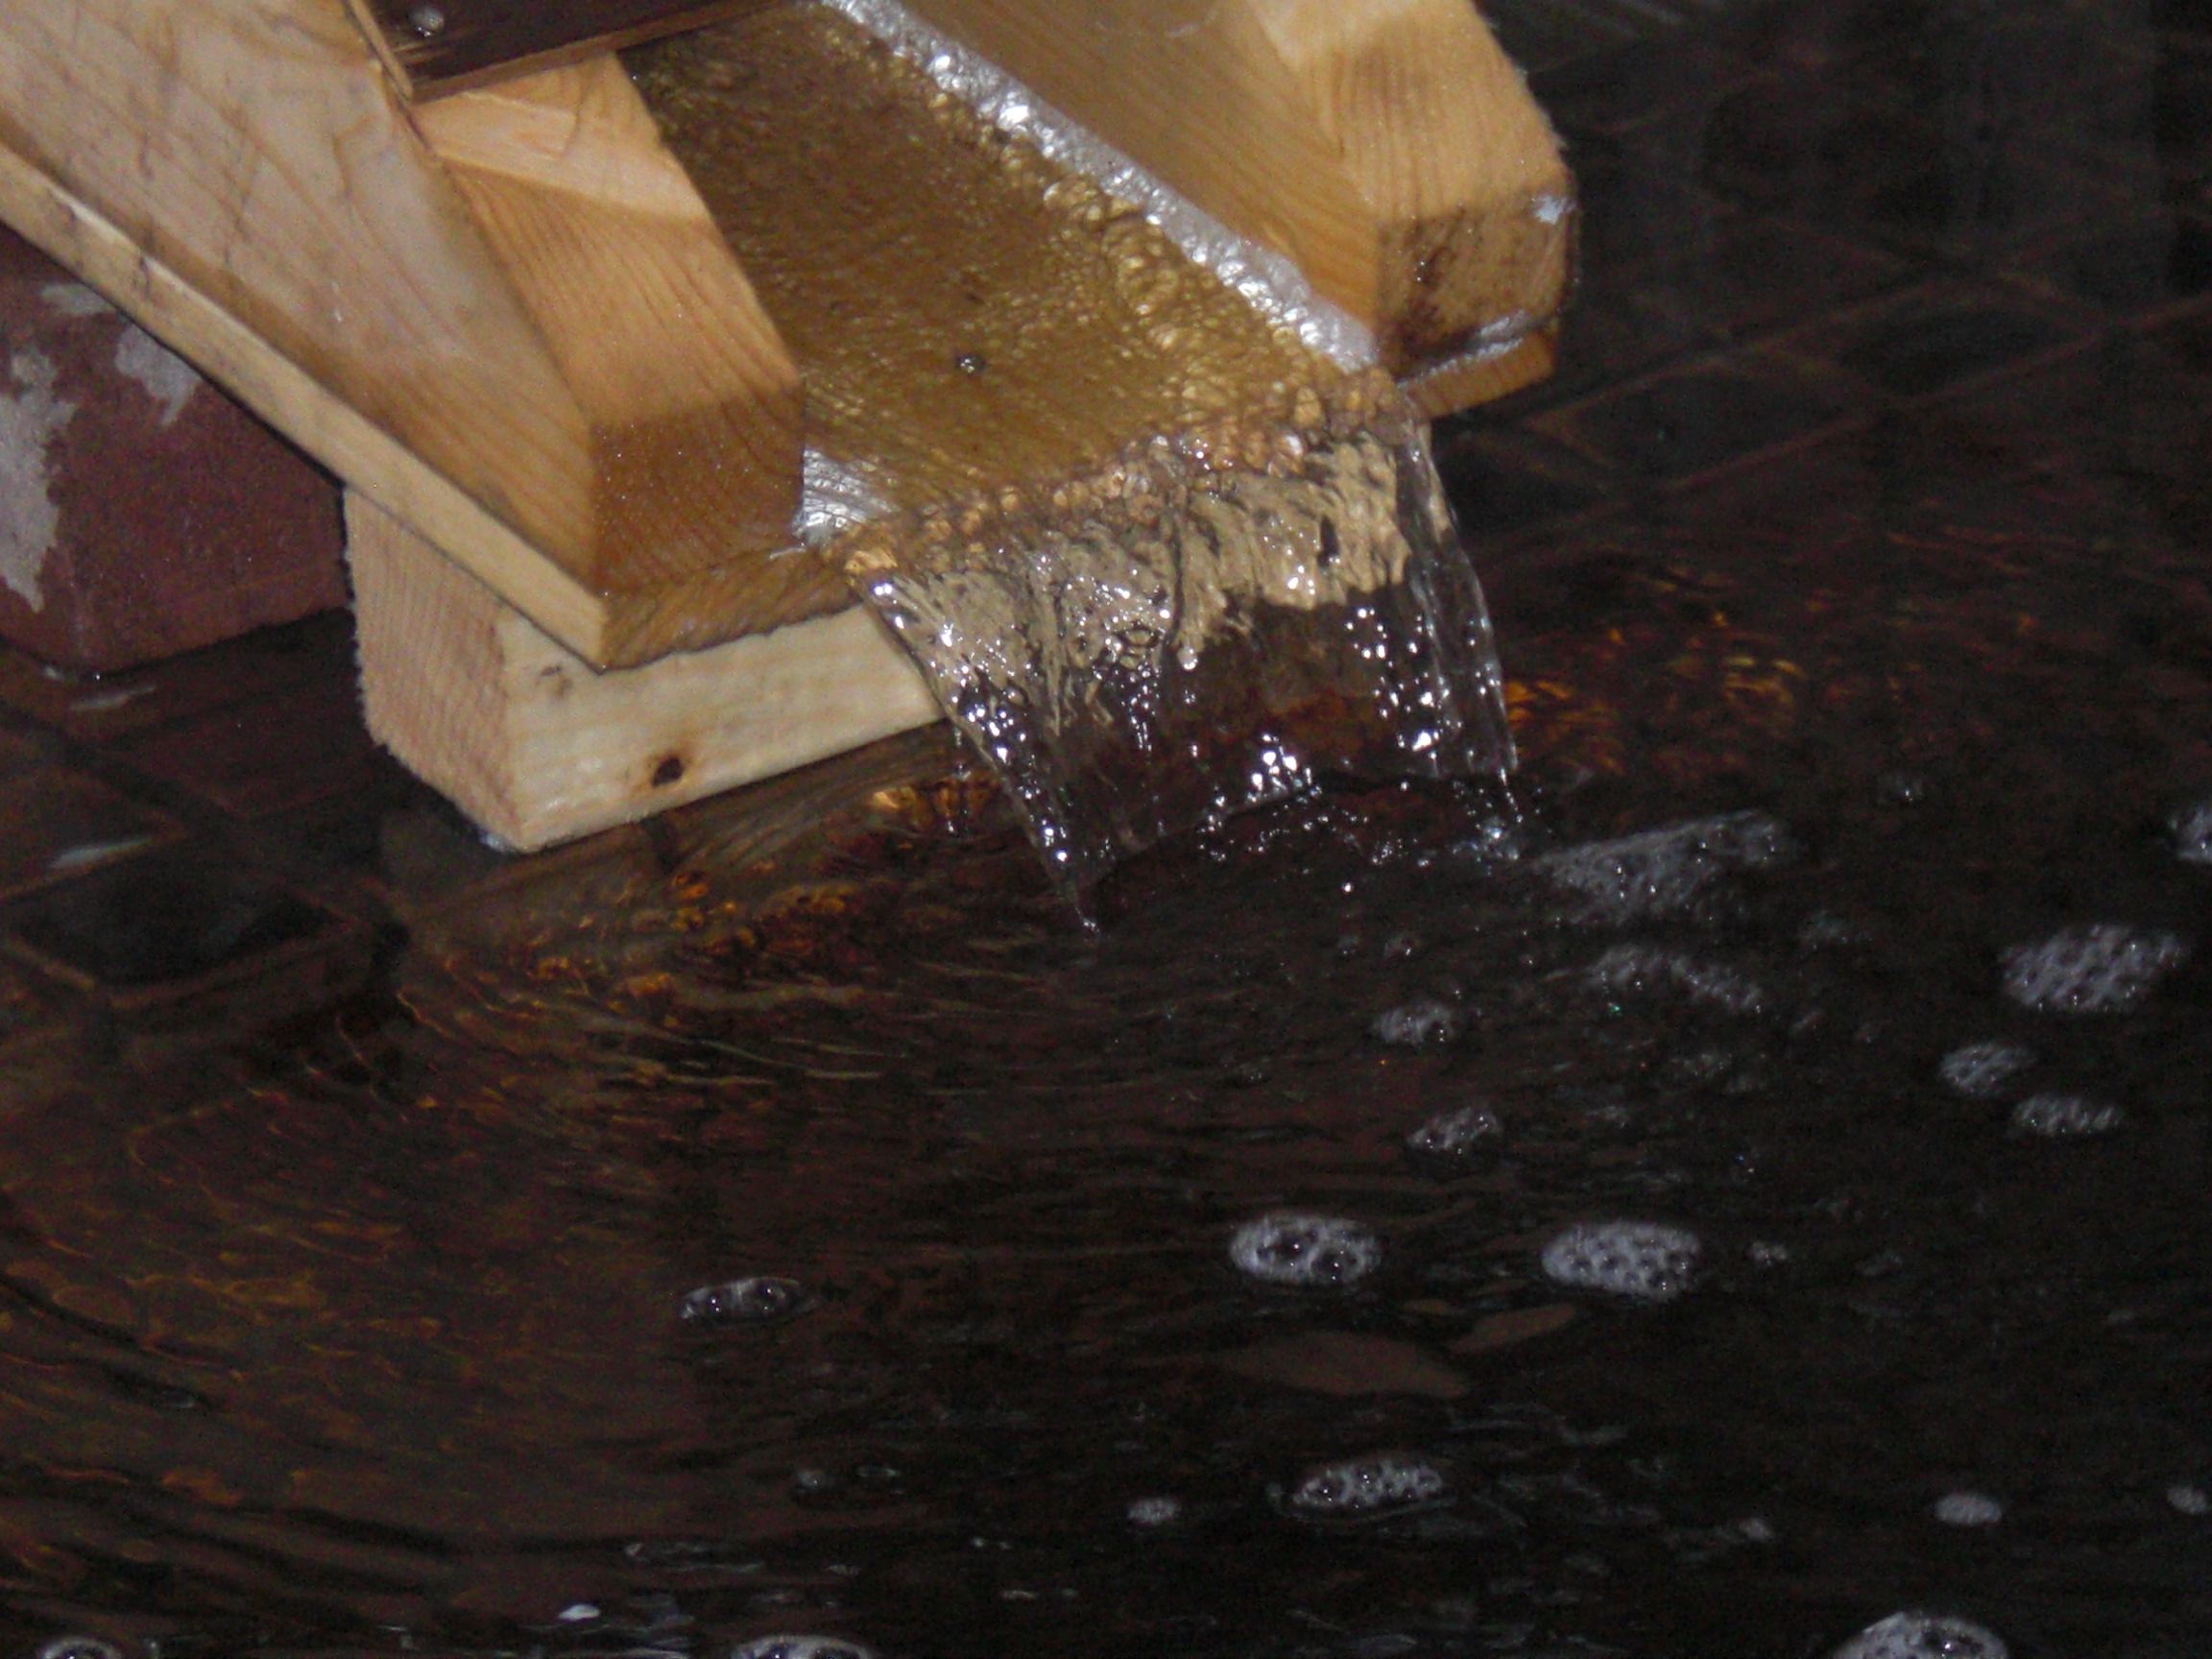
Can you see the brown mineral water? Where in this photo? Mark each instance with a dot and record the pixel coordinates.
(1159, 558)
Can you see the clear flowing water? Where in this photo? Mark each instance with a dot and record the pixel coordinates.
(1212, 635)
(1745, 1193)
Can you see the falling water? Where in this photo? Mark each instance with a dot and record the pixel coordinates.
(1211, 624)
(1160, 548)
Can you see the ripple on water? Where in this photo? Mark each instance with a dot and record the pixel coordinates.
(800, 1648)
(2101, 969)
(1981, 1069)
(1668, 871)
(79, 1647)
(2064, 1116)
(1367, 1488)
(1646, 1261)
(1923, 1636)
(755, 1300)
(1293, 1247)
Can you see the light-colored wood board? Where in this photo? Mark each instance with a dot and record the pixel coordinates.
(1483, 374)
(612, 631)
(1386, 146)
(691, 406)
(291, 400)
(1471, 202)
(974, 324)
(538, 747)
(292, 234)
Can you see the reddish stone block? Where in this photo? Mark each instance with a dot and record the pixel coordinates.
(142, 513)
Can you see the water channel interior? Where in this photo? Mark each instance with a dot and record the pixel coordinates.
(1754, 1176)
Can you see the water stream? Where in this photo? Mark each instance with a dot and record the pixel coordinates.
(1744, 1193)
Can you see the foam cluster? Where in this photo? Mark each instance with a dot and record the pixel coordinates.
(1923, 1636)
(1456, 1135)
(1980, 1071)
(800, 1648)
(1360, 1488)
(755, 1300)
(1293, 1247)
(1415, 1025)
(1639, 970)
(2102, 969)
(2063, 1116)
(1644, 1260)
(1668, 871)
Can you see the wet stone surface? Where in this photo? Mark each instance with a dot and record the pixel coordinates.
(1852, 611)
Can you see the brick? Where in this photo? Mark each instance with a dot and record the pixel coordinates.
(142, 513)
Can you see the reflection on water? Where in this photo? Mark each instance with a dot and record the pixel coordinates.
(1755, 1178)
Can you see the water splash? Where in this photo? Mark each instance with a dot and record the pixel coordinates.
(1211, 623)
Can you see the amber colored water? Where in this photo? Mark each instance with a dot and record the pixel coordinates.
(355, 1178)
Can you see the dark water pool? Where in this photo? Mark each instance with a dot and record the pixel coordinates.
(1748, 1182)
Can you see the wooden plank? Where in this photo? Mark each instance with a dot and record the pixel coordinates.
(436, 47)
(1389, 147)
(692, 406)
(537, 746)
(293, 236)
(975, 325)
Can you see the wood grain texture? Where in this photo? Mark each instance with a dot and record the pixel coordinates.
(292, 235)
(446, 46)
(1388, 146)
(974, 324)
(537, 746)
(690, 403)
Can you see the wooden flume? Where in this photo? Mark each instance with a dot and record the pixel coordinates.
(570, 345)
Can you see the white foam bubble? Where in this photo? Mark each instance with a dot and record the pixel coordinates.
(2189, 1500)
(800, 1648)
(2102, 969)
(1968, 1509)
(1415, 1025)
(1457, 1134)
(2063, 1116)
(1293, 1247)
(1646, 1261)
(1668, 871)
(1359, 1488)
(754, 1300)
(1639, 970)
(1980, 1069)
(1155, 1511)
(79, 1647)
(1923, 1636)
